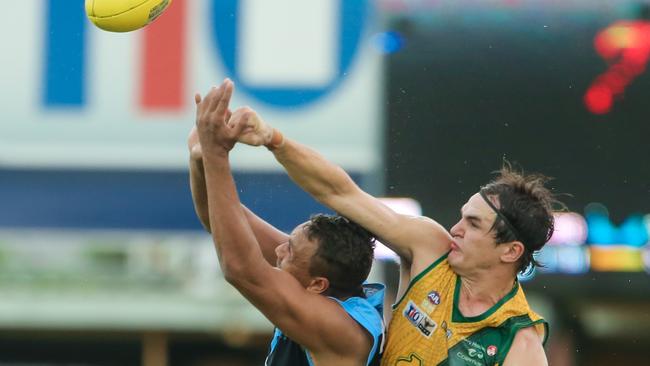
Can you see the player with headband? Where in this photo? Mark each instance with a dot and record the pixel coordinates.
(459, 301)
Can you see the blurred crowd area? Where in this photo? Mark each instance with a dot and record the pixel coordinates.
(103, 261)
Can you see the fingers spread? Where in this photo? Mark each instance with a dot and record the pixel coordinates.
(224, 100)
(212, 99)
(204, 105)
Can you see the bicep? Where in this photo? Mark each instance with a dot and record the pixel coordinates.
(404, 234)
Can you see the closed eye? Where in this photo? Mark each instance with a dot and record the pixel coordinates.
(474, 221)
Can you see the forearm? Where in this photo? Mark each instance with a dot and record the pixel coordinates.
(312, 172)
(199, 191)
(334, 188)
(236, 246)
(266, 234)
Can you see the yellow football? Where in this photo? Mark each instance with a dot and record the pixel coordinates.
(124, 15)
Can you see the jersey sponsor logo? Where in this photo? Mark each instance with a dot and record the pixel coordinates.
(473, 352)
(434, 297)
(470, 343)
(419, 319)
(468, 359)
(444, 327)
(448, 333)
(411, 360)
(491, 350)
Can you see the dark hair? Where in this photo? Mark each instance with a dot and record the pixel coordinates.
(344, 255)
(528, 206)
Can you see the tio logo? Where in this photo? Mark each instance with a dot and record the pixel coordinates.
(625, 45)
(285, 53)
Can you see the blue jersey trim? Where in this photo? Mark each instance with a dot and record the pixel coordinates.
(368, 313)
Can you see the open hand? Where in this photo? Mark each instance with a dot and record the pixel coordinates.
(216, 133)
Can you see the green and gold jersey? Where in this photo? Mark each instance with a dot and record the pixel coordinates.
(427, 328)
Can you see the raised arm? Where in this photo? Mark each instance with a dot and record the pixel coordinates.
(282, 299)
(409, 236)
(266, 234)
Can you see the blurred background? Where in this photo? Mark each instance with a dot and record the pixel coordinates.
(103, 262)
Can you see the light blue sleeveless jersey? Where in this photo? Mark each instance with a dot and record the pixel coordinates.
(368, 312)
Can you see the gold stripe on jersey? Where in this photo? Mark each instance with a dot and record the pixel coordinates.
(428, 329)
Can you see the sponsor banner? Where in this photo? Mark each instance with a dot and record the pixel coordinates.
(76, 96)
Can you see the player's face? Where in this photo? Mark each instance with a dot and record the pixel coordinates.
(474, 246)
(295, 255)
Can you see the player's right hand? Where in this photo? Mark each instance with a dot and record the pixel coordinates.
(257, 132)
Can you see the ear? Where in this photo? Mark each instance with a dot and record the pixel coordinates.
(512, 251)
(318, 285)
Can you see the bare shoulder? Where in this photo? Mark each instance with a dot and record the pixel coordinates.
(526, 349)
(430, 241)
(434, 232)
(345, 337)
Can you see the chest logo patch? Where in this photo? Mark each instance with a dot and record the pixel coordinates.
(419, 319)
(491, 350)
(434, 297)
(444, 327)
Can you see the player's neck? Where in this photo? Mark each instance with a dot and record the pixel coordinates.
(480, 292)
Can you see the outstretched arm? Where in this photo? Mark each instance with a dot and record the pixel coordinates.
(411, 237)
(332, 186)
(276, 293)
(266, 234)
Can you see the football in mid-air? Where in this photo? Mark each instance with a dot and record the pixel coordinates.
(124, 15)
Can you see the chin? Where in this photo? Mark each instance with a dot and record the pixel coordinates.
(454, 258)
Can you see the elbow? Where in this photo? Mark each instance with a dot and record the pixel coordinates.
(243, 274)
(234, 274)
(231, 275)
(230, 278)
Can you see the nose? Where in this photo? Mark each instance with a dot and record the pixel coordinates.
(457, 229)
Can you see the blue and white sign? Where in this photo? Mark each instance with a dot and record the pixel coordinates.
(79, 97)
(291, 60)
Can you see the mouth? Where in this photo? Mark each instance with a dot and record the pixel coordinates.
(453, 246)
